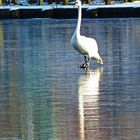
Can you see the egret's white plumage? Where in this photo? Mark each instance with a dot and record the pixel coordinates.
(84, 45)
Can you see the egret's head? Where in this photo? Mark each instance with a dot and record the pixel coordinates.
(77, 3)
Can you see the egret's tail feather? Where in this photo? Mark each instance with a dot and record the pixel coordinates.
(100, 60)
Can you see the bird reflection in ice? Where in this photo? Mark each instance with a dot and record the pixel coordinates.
(88, 99)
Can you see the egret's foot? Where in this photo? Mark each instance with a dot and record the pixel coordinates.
(85, 66)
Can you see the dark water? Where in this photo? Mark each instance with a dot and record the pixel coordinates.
(45, 96)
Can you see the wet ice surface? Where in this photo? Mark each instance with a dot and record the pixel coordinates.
(45, 96)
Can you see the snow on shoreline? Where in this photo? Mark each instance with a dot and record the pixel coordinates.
(89, 7)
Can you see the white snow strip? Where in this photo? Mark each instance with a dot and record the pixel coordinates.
(89, 7)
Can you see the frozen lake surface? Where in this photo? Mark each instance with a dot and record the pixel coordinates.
(45, 96)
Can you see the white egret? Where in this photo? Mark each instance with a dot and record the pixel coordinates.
(84, 45)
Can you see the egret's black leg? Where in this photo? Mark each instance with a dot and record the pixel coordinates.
(86, 63)
(83, 65)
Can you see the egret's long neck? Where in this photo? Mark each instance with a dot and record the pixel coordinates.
(79, 20)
